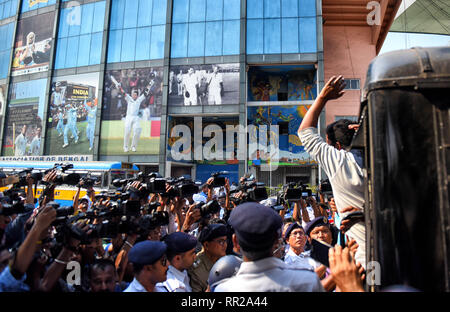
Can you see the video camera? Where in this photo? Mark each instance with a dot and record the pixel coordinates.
(219, 179)
(181, 187)
(88, 181)
(208, 209)
(62, 213)
(12, 205)
(325, 187)
(252, 191)
(292, 192)
(22, 175)
(65, 178)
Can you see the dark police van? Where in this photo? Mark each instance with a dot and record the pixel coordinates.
(404, 137)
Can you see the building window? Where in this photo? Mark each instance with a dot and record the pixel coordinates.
(29, 5)
(281, 26)
(80, 35)
(6, 37)
(350, 117)
(205, 28)
(137, 30)
(8, 8)
(352, 84)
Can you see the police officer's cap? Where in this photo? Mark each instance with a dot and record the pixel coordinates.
(147, 252)
(290, 228)
(255, 225)
(179, 242)
(211, 232)
(319, 221)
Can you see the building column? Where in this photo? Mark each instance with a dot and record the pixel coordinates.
(103, 60)
(163, 169)
(14, 19)
(243, 83)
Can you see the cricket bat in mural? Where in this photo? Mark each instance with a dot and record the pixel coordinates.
(115, 82)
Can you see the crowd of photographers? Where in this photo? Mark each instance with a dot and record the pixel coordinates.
(149, 233)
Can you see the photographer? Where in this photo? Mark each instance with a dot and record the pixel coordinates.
(15, 231)
(13, 276)
(345, 174)
(58, 266)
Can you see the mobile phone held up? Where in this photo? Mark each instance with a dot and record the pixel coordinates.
(319, 252)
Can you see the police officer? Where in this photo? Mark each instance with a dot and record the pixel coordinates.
(149, 264)
(258, 232)
(213, 238)
(181, 255)
(320, 229)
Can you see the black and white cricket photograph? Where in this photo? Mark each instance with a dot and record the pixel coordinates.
(192, 85)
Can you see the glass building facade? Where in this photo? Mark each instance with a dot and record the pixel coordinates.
(116, 79)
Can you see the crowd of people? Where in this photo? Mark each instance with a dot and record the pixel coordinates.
(170, 244)
(218, 239)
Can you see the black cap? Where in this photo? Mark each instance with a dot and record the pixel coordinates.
(147, 252)
(255, 225)
(319, 221)
(212, 231)
(290, 228)
(179, 242)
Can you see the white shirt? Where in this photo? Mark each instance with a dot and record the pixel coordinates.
(135, 286)
(214, 81)
(346, 179)
(271, 275)
(57, 98)
(302, 261)
(146, 114)
(176, 281)
(190, 81)
(133, 106)
(35, 146)
(21, 145)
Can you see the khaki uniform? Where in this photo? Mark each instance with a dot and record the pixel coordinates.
(199, 272)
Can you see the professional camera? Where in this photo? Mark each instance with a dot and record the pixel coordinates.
(156, 183)
(125, 185)
(22, 175)
(219, 180)
(65, 178)
(181, 187)
(209, 208)
(152, 221)
(11, 208)
(252, 191)
(325, 187)
(62, 213)
(151, 207)
(88, 181)
(292, 192)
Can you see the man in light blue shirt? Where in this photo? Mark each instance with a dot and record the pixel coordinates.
(90, 129)
(149, 264)
(181, 255)
(71, 125)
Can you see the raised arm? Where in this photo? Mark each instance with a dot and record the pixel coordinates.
(331, 91)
